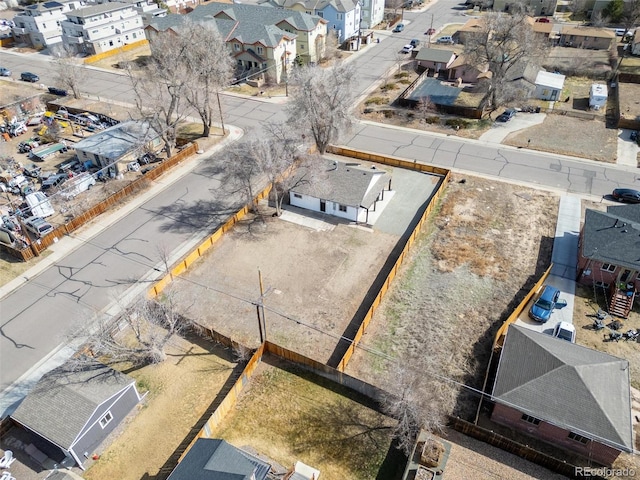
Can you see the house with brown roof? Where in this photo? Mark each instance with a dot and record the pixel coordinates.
(468, 73)
(586, 37)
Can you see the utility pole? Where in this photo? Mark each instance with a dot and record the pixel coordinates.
(260, 307)
(359, 25)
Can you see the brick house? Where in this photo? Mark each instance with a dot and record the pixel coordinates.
(609, 255)
(564, 394)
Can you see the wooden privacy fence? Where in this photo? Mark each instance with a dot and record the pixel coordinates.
(502, 331)
(116, 51)
(115, 199)
(186, 262)
(411, 239)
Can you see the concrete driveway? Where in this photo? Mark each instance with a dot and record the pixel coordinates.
(499, 130)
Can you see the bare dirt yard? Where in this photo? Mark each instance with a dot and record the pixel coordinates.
(316, 278)
(569, 136)
(288, 414)
(481, 253)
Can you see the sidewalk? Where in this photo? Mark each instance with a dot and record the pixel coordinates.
(14, 393)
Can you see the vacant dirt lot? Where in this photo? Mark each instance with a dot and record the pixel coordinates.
(482, 252)
(569, 136)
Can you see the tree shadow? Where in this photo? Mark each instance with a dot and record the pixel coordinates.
(196, 216)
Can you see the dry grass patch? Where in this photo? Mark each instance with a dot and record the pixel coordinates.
(180, 390)
(289, 414)
(11, 267)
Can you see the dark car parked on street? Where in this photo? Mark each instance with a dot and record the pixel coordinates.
(57, 91)
(626, 195)
(29, 77)
(507, 115)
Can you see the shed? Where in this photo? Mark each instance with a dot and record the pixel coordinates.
(70, 411)
(548, 85)
(597, 96)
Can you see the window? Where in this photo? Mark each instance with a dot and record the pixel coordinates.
(301, 47)
(111, 43)
(134, 34)
(578, 438)
(297, 195)
(608, 267)
(236, 46)
(106, 419)
(601, 284)
(339, 17)
(530, 419)
(259, 50)
(342, 208)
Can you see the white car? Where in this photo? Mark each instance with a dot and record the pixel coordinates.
(38, 226)
(565, 331)
(407, 49)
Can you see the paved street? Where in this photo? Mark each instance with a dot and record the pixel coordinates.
(108, 263)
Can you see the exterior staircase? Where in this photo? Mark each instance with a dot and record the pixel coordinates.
(621, 301)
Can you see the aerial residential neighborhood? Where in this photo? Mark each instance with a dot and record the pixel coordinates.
(336, 239)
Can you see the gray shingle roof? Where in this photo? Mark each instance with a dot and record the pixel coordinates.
(215, 459)
(342, 6)
(347, 184)
(97, 9)
(434, 55)
(116, 141)
(63, 400)
(576, 388)
(613, 236)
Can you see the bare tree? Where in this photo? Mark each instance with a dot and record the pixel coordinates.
(211, 66)
(630, 15)
(320, 102)
(243, 171)
(69, 73)
(426, 107)
(419, 399)
(161, 86)
(506, 43)
(140, 335)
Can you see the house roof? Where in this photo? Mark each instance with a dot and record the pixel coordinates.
(117, 141)
(347, 184)
(461, 61)
(97, 9)
(573, 387)
(587, 32)
(258, 14)
(44, 6)
(435, 55)
(215, 459)
(548, 79)
(613, 236)
(63, 400)
(342, 6)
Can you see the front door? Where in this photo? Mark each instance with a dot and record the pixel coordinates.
(323, 206)
(554, 95)
(625, 276)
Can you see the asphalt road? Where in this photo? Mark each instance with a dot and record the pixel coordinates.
(37, 317)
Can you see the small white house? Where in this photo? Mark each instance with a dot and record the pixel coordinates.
(548, 85)
(598, 96)
(349, 191)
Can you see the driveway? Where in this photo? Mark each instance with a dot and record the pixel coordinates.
(500, 130)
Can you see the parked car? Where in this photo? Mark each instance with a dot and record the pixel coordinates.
(541, 310)
(414, 42)
(407, 49)
(507, 115)
(543, 20)
(565, 331)
(54, 181)
(447, 39)
(38, 226)
(32, 171)
(431, 31)
(29, 77)
(399, 27)
(626, 195)
(57, 91)
(5, 72)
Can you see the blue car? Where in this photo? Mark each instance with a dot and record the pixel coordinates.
(399, 28)
(544, 305)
